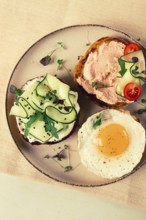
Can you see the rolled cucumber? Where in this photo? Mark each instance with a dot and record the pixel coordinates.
(134, 65)
(46, 107)
(58, 116)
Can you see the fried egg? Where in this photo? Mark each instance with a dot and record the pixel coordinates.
(111, 143)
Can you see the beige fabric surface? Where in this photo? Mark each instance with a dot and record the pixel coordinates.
(24, 22)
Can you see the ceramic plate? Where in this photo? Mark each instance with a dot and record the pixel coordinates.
(76, 40)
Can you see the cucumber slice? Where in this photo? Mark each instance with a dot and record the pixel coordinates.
(24, 120)
(73, 98)
(54, 92)
(127, 77)
(22, 109)
(37, 130)
(37, 101)
(28, 93)
(48, 97)
(28, 108)
(58, 116)
(42, 89)
(61, 88)
(18, 110)
(138, 54)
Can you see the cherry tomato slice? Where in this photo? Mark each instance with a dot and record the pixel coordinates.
(131, 47)
(132, 91)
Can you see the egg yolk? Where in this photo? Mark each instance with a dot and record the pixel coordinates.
(113, 140)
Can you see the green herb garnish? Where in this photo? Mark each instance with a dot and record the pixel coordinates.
(60, 64)
(104, 85)
(68, 168)
(61, 45)
(142, 110)
(37, 116)
(144, 101)
(66, 146)
(98, 121)
(14, 90)
(88, 41)
(122, 65)
(50, 126)
(32, 119)
(47, 156)
(59, 157)
(94, 85)
(47, 59)
(134, 72)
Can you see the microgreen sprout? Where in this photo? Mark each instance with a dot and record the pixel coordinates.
(14, 90)
(88, 41)
(98, 121)
(142, 110)
(61, 65)
(48, 58)
(59, 156)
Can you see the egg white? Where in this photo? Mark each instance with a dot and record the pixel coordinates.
(111, 166)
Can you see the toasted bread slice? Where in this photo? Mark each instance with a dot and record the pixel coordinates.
(99, 95)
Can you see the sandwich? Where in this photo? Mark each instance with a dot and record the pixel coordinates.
(112, 71)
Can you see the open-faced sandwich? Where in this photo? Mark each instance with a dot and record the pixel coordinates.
(112, 70)
(46, 109)
(111, 143)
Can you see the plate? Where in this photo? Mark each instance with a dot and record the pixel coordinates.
(76, 40)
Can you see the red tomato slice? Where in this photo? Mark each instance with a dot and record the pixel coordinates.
(131, 47)
(132, 91)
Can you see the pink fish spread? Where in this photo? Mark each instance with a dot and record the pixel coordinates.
(100, 74)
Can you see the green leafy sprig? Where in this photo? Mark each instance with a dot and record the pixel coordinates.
(15, 90)
(50, 126)
(123, 68)
(88, 41)
(98, 121)
(47, 59)
(68, 168)
(61, 65)
(135, 73)
(142, 110)
(32, 119)
(59, 157)
(96, 86)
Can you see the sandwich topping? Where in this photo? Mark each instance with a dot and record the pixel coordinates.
(46, 109)
(100, 70)
(102, 66)
(108, 69)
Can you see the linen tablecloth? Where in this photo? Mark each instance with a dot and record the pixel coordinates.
(24, 22)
